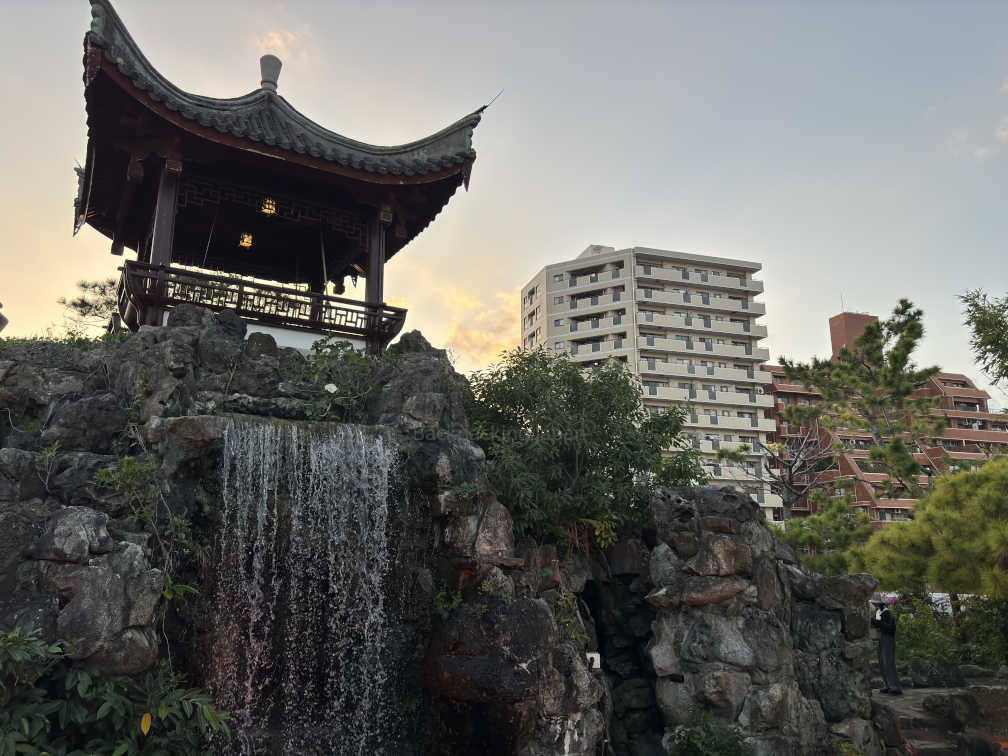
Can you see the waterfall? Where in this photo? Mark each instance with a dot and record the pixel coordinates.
(300, 631)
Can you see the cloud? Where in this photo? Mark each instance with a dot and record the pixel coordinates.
(982, 153)
(1001, 132)
(481, 331)
(279, 42)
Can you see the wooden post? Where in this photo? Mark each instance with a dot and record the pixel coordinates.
(164, 225)
(374, 290)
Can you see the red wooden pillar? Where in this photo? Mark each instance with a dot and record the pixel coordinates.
(374, 290)
(163, 239)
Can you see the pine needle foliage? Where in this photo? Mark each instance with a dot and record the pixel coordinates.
(988, 323)
(870, 388)
(957, 542)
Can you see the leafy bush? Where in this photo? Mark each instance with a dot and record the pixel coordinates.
(50, 705)
(922, 631)
(705, 736)
(344, 377)
(572, 451)
(983, 623)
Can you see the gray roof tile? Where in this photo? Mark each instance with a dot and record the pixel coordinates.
(265, 117)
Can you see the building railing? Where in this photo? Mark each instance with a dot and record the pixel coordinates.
(148, 290)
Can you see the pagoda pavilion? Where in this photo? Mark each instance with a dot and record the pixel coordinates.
(245, 203)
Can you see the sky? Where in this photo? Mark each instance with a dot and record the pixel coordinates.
(858, 150)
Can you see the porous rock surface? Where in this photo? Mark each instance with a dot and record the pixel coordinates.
(700, 610)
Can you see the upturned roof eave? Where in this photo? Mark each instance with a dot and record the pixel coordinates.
(263, 117)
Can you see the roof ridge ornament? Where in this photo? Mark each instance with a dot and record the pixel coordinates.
(269, 67)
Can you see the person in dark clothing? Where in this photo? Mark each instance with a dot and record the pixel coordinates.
(886, 624)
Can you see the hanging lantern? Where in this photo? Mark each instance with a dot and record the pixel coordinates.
(245, 240)
(268, 206)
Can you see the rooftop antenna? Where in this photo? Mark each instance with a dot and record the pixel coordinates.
(841, 303)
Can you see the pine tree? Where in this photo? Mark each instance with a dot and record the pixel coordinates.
(988, 321)
(871, 386)
(957, 542)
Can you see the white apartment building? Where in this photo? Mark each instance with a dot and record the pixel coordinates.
(685, 324)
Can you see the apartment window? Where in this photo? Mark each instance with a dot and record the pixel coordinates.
(558, 322)
(558, 277)
(838, 492)
(720, 341)
(709, 411)
(724, 388)
(778, 379)
(715, 272)
(725, 413)
(648, 316)
(558, 300)
(727, 436)
(648, 293)
(722, 364)
(708, 387)
(649, 340)
(718, 317)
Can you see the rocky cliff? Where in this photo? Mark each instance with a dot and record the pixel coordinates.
(483, 641)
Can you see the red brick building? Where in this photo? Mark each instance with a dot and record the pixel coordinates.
(972, 431)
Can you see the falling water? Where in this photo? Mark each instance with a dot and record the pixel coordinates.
(301, 627)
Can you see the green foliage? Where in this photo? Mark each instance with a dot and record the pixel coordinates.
(72, 338)
(446, 602)
(825, 542)
(958, 540)
(135, 479)
(870, 388)
(988, 322)
(572, 451)
(922, 631)
(565, 611)
(95, 303)
(983, 626)
(705, 736)
(344, 377)
(684, 468)
(49, 705)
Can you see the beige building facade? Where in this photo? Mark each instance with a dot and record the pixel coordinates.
(685, 324)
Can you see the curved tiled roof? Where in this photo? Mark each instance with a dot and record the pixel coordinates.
(265, 117)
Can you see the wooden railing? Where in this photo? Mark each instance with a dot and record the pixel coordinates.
(145, 291)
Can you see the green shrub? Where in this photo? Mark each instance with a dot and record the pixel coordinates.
(344, 376)
(50, 705)
(922, 631)
(983, 624)
(573, 453)
(706, 736)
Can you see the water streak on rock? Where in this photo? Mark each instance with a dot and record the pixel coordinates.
(300, 599)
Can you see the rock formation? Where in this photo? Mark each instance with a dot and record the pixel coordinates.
(700, 609)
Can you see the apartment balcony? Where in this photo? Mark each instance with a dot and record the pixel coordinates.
(574, 285)
(723, 282)
(703, 349)
(599, 303)
(721, 422)
(594, 327)
(596, 349)
(702, 301)
(707, 446)
(735, 474)
(720, 398)
(692, 370)
(772, 500)
(711, 325)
